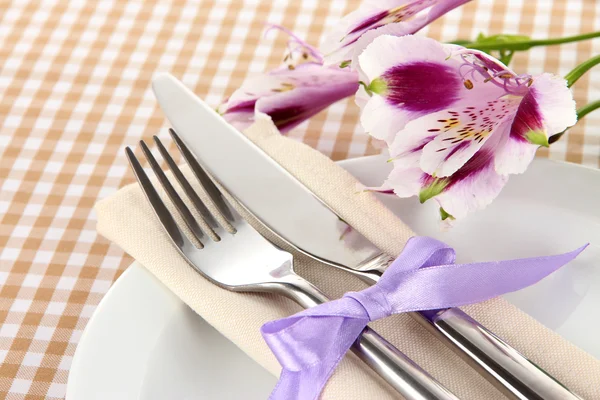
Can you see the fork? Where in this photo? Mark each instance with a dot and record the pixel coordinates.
(241, 259)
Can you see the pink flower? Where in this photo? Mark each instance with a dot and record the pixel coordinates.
(378, 17)
(292, 93)
(457, 121)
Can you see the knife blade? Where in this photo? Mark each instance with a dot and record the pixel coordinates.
(298, 216)
(189, 116)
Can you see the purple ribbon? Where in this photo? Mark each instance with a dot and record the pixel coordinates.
(310, 344)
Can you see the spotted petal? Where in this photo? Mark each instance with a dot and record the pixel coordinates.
(396, 17)
(474, 186)
(338, 45)
(461, 132)
(289, 97)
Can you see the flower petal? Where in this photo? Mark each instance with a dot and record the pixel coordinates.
(514, 156)
(289, 97)
(394, 29)
(348, 40)
(461, 132)
(473, 194)
(382, 121)
(241, 119)
(389, 51)
(338, 44)
(252, 89)
(405, 181)
(546, 109)
(413, 77)
(472, 187)
(407, 145)
(361, 97)
(555, 102)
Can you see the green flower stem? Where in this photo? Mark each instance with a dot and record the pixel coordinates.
(582, 112)
(588, 108)
(525, 44)
(581, 69)
(506, 56)
(461, 42)
(364, 85)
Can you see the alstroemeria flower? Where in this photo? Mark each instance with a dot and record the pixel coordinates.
(378, 17)
(292, 93)
(457, 121)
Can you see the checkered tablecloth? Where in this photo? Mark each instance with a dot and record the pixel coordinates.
(75, 89)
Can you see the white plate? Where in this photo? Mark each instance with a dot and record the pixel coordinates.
(143, 343)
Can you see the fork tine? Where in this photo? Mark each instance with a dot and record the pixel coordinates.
(161, 211)
(206, 182)
(187, 188)
(183, 210)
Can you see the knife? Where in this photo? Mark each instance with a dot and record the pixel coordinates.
(298, 216)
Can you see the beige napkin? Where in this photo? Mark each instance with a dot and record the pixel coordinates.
(126, 219)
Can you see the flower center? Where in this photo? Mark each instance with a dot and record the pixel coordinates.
(298, 51)
(492, 71)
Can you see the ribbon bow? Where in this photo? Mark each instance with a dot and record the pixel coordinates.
(310, 344)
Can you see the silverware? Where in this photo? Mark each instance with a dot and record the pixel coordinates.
(299, 217)
(242, 260)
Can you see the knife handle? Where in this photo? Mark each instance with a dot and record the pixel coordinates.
(403, 374)
(503, 366)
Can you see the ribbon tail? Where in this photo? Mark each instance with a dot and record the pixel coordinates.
(306, 384)
(311, 344)
(455, 285)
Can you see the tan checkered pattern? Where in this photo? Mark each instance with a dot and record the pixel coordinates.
(75, 89)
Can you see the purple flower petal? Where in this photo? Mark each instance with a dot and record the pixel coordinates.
(472, 187)
(289, 97)
(422, 86)
(528, 120)
(368, 23)
(461, 131)
(409, 16)
(546, 109)
(411, 77)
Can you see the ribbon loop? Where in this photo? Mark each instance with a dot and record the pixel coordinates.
(310, 344)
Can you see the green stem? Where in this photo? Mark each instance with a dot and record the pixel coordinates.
(581, 69)
(588, 108)
(461, 42)
(367, 89)
(520, 45)
(582, 112)
(506, 56)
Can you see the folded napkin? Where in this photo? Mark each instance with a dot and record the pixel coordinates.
(126, 219)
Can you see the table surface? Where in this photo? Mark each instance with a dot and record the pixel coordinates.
(75, 90)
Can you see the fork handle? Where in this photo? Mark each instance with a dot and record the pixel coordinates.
(403, 374)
